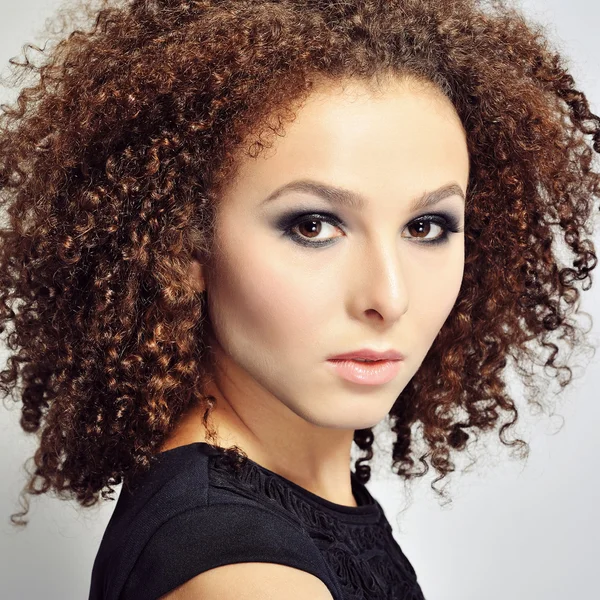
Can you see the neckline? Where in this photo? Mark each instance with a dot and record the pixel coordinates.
(366, 504)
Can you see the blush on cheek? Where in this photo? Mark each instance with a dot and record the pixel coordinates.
(250, 298)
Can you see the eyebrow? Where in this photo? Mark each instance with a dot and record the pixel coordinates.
(348, 198)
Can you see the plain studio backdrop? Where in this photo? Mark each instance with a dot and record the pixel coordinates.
(521, 530)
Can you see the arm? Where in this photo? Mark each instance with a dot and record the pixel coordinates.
(251, 581)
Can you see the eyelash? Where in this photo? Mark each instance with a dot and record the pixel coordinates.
(448, 222)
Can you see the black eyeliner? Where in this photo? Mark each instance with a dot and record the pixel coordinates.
(286, 223)
(293, 218)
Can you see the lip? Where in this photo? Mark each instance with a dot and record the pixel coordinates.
(369, 355)
(366, 373)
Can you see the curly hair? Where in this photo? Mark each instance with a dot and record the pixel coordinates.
(111, 165)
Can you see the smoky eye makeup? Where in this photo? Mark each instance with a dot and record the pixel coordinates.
(293, 217)
(288, 224)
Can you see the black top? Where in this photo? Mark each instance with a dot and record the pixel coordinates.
(192, 511)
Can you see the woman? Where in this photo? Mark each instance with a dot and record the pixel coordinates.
(220, 211)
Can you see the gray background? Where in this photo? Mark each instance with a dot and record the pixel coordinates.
(518, 530)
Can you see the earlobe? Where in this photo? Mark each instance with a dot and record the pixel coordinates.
(196, 274)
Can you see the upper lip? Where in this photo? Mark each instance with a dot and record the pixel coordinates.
(370, 355)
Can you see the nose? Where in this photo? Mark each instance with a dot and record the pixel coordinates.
(382, 289)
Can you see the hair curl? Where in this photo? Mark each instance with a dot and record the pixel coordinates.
(110, 171)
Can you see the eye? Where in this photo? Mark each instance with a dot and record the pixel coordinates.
(423, 226)
(306, 227)
(303, 227)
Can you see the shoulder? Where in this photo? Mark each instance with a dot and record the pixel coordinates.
(252, 581)
(189, 518)
(212, 547)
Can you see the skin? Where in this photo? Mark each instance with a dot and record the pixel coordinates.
(280, 309)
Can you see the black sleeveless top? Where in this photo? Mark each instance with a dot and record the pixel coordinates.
(193, 511)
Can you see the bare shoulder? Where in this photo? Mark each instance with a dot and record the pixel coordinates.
(252, 581)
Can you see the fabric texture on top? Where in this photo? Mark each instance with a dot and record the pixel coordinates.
(192, 511)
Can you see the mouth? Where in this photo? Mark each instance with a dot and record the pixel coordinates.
(366, 372)
(369, 355)
(360, 360)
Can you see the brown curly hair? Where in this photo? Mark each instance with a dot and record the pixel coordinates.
(110, 169)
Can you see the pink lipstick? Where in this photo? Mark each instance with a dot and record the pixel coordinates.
(367, 367)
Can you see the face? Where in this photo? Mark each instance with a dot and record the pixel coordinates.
(299, 278)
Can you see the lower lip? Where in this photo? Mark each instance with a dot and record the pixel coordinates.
(366, 373)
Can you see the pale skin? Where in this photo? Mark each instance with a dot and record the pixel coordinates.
(279, 309)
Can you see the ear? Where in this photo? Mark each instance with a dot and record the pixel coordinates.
(196, 273)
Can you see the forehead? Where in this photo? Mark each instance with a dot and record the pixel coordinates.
(404, 135)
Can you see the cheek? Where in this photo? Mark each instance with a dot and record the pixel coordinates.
(261, 301)
(435, 294)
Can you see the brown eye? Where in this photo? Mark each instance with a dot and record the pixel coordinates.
(304, 228)
(309, 229)
(423, 228)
